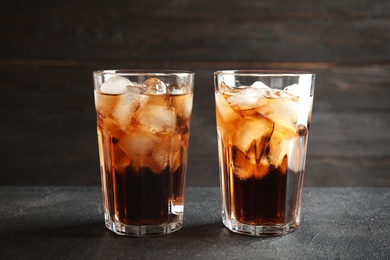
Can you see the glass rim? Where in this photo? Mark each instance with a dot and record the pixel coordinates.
(263, 73)
(141, 72)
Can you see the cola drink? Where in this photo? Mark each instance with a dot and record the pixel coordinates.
(143, 135)
(262, 134)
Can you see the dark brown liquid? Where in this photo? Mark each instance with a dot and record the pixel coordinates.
(140, 197)
(143, 185)
(266, 200)
(255, 143)
(143, 197)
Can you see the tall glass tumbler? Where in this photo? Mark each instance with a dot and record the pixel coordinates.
(143, 126)
(263, 120)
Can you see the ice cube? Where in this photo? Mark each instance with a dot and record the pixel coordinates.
(279, 147)
(166, 153)
(187, 106)
(121, 159)
(115, 85)
(174, 89)
(109, 127)
(246, 98)
(139, 146)
(265, 90)
(176, 151)
(277, 93)
(283, 111)
(223, 87)
(159, 100)
(224, 110)
(169, 152)
(242, 167)
(298, 150)
(157, 119)
(253, 134)
(274, 93)
(105, 104)
(182, 104)
(136, 89)
(136, 143)
(176, 160)
(127, 106)
(160, 156)
(292, 90)
(259, 85)
(155, 86)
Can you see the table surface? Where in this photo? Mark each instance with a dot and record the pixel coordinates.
(67, 222)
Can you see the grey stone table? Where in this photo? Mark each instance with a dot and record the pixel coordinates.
(67, 223)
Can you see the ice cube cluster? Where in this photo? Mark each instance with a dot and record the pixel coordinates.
(261, 122)
(143, 120)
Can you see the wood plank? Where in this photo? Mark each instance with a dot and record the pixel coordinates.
(194, 31)
(48, 52)
(48, 131)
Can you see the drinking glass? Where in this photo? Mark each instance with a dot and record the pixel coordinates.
(263, 121)
(143, 127)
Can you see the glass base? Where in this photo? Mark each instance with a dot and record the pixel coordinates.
(146, 230)
(262, 230)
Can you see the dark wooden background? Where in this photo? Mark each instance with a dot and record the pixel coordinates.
(48, 50)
